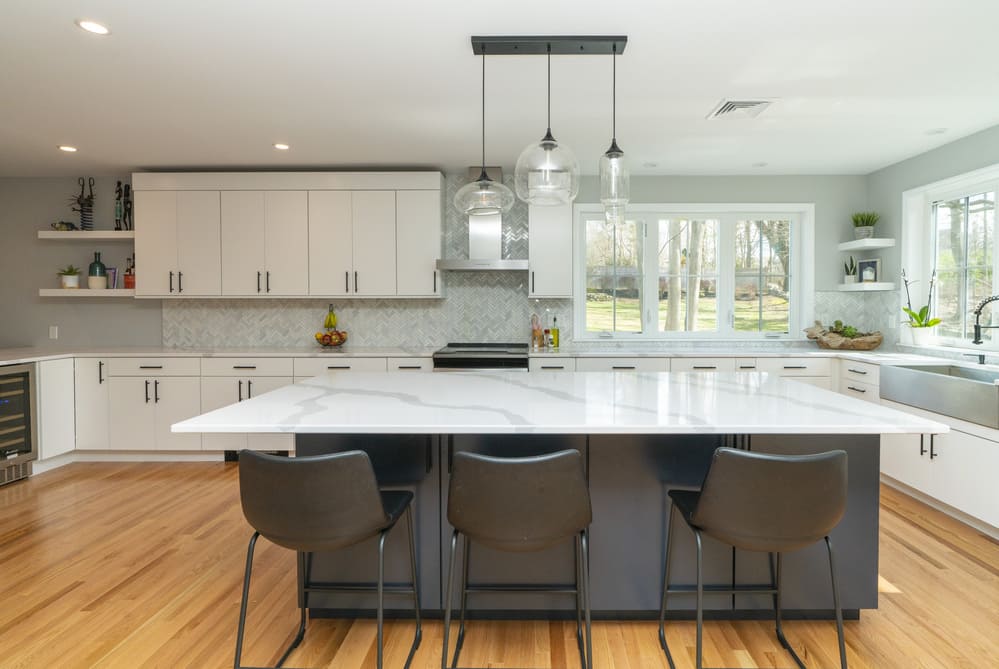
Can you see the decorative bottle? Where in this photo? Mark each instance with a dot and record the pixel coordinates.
(97, 276)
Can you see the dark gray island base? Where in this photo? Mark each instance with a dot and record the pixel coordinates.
(629, 475)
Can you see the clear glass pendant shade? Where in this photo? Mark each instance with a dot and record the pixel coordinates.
(614, 182)
(547, 173)
(483, 197)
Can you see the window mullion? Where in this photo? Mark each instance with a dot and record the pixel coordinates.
(726, 274)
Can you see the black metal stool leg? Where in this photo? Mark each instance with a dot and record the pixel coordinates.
(836, 605)
(662, 607)
(699, 657)
(580, 643)
(584, 542)
(466, 545)
(246, 595)
(416, 587)
(381, 596)
(777, 617)
(448, 598)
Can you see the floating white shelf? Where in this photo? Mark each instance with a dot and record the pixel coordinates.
(86, 292)
(870, 285)
(88, 235)
(868, 244)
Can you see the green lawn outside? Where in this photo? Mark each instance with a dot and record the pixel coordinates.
(599, 314)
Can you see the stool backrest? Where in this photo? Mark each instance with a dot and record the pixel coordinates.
(311, 503)
(773, 503)
(519, 504)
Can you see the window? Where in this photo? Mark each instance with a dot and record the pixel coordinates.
(693, 271)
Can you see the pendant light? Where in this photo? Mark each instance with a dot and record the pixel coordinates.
(614, 186)
(483, 197)
(547, 172)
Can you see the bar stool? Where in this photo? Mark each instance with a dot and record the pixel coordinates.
(763, 503)
(520, 505)
(322, 503)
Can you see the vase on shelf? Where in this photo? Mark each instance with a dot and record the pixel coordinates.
(863, 232)
(97, 275)
(923, 336)
(849, 278)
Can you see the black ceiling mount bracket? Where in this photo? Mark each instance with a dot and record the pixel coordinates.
(538, 45)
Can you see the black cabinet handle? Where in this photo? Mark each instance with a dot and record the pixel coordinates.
(180, 282)
(623, 367)
(857, 371)
(156, 391)
(150, 366)
(244, 366)
(171, 282)
(249, 389)
(355, 281)
(747, 366)
(258, 282)
(100, 371)
(147, 391)
(856, 390)
(268, 281)
(346, 282)
(933, 452)
(532, 281)
(552, 366)
(409, 367)
(705, 367)
(795, 366)
(337, 366)
(435, 286)
(239, 391)
(922, 449)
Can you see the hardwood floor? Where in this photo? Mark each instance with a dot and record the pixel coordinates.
(139, 565)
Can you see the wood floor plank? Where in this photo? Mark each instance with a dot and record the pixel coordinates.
(141, 564)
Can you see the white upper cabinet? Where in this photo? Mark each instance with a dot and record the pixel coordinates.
(177, 242)
(550, 251)
(418, 242)
(374, 242)
(331, 251)
(265, 241)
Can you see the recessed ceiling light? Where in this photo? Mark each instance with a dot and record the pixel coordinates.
(650, 165)
(761, 164)
(67, 149)
(281, 147)
(936, 131)
(93, 27)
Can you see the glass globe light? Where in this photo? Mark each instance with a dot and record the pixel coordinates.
(483, 197)
(614, 182)
(547, 173)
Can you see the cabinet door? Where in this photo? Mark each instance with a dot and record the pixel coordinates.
(131, 427)
(702, 365)
(243, 258)
(331, 251)
(218, 392)
(91, 385)
(175, 399)
(374, 242)
(550, 251)
(155, 243)
(268, 442)
(199, 250)
(418, 241)
(962, 473)
(901, 458)
(286, 236)
(56, 431)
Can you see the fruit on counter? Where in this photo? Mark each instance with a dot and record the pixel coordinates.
(330, 322)
(331, 338)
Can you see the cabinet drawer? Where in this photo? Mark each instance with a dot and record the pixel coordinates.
(794, 366)
(552, 364)
(305, 367)
(817, 381)
(622, 364)
(154, 366)
(410, 364)
(860, 390)
(745, 365)
(246, 367)
(864, 372)
(702, 365)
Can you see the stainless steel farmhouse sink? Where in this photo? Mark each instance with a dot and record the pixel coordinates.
(966, 393)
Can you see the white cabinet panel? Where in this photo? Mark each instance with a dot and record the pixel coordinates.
(865, 372)
(268, 442)
(374, 242)
(243, 233)
(155, 242)
(817, 381)
(860, 390)
(166, 366)
(132, 414)
(175, 399)
(410, 364)
(56, 427)
(286, 243)
(702, 364)
(331, 251)
(198, 242)
(795, 366)
(745, 365)
(308, 367)
(247, 367)
(218, 392)
(622, 364)
(552, 364)
(901, 458)
(92, 403)
(418, 242)
(550, 251)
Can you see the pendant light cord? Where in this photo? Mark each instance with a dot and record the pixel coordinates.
(483, 110)
(614, 96)
(549, 89)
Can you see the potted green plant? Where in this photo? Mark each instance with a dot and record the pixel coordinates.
(69, 277)
(921, 322)
(863, 224)
(850, 268)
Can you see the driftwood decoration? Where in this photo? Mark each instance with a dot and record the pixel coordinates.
(826, 338)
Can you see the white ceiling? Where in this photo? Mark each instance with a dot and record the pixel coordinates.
(394, 83)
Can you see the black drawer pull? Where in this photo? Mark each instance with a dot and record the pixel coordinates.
(244, 366)
(856, 390)
(922, 448)
(239, 391)
(747, 366)
(337, 366)
(623, 367)
(407, 367)
(933, 452)
(147, 392)
(857, 371)
(705, 367)
(552, 366)
(100, 371)
(150, 366)
(156, 392)
(795, 366)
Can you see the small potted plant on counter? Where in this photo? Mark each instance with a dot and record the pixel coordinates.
(69, 277)
(850, 268)
(921, 323)
(863, 224)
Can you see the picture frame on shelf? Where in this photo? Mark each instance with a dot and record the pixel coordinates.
(869, 270)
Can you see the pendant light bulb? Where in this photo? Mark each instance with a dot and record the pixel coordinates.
(547, 173)
(483, 197)
(614, 179)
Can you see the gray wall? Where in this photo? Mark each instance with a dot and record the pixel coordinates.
(30, 205)
(885, 187)
(835, 198)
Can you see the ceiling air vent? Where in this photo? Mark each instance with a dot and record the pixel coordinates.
(739, 108)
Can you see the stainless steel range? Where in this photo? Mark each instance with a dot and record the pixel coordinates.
(481, 357)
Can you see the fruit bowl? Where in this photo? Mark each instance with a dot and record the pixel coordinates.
(331, 338)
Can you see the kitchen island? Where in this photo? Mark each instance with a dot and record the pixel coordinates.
(640, 435)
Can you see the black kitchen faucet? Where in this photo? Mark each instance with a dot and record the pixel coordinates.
(978, 315)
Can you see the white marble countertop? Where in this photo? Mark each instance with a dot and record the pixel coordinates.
(556, 403)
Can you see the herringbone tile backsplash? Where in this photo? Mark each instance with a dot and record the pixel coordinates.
(479, 306)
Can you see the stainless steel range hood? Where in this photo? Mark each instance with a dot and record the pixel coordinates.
(485, 240)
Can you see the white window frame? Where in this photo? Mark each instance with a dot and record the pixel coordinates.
(917, 232)
(802, 307)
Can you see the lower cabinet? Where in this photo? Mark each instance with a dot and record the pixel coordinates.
(143, 409)
(56, 434)
(221, 391)
(552, 364)
(92, 403)
(622, 364)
